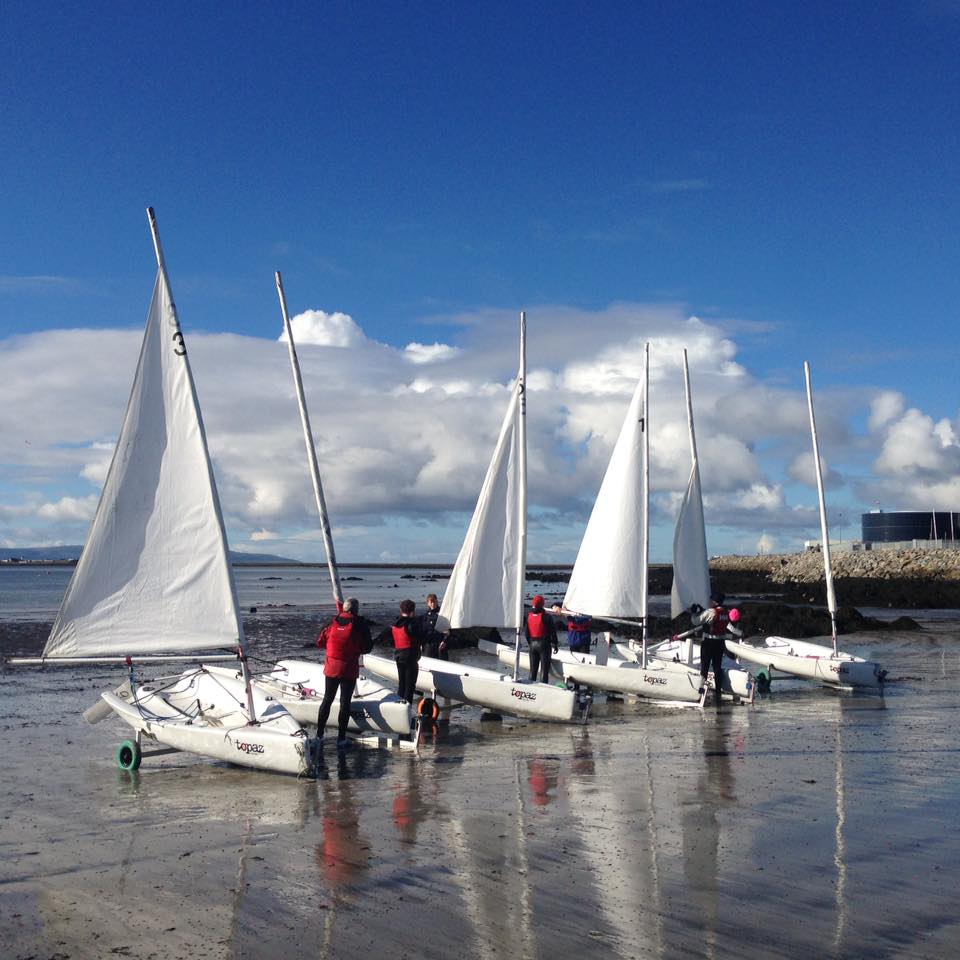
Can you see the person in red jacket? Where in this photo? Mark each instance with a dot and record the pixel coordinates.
(346, 638)
(541, 639)
(407, 643)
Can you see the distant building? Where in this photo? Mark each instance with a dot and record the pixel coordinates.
(905, 527)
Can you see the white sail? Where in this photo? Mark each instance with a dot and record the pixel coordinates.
(608, 577)
(483, 587)
(691, 568)
(154, 575)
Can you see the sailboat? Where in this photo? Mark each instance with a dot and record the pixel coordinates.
(814, 661)
(299, 684)
(486, 585)
(154, 578)
(691, 584)
(609, 578)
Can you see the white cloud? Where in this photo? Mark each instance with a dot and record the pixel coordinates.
(69, 508)
(429, 353)
(766, 544)
(885, 406)
(403, 446)
(322, 329)
(911, 445)
(259, 535)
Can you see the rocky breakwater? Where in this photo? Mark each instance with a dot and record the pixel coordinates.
(905, 579)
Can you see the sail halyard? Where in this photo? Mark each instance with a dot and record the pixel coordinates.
(311, 450)
(691, 569)
(824, 527)
(154, 575)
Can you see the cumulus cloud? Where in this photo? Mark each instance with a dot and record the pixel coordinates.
(322, 329)
(912, 445)
(69, 508)
(404, 434)
(259, 535)
(885, 407)
(429, 353)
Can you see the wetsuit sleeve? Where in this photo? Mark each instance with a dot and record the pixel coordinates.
(365, 637)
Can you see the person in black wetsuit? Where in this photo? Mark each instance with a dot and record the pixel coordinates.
(407, 643)
(541, 639)
(434, 641)
(716, 625)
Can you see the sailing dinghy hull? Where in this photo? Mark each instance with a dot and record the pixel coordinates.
(660, 680)
(812, 661)
(299, 685)
(202, 713)
(737, 682)
(483, 688)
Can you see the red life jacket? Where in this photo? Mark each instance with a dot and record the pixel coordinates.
(401, 639)
(579, 624)
(718, 625)
(536, 627)
(344, 647)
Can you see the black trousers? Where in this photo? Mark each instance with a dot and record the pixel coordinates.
(712, 650)
(431, 648)
(540, 653)
(408, 667)
(329, 692)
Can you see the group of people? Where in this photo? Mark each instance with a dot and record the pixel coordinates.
(347, 637)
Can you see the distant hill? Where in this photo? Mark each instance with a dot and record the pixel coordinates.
(72, 552)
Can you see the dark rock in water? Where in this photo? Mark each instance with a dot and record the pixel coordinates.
(407, 576)
(346, 579)
(253, 609)
(800, 621)
(273, 578)
(549, 576)
(903, 623)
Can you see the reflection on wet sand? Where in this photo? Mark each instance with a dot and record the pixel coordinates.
(775, 831)
(702, 808)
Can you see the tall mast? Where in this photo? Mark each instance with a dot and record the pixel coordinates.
(645, 529)
(522, 497)
(686, 387)
(824, 529)
(241, 639)
(311, 449)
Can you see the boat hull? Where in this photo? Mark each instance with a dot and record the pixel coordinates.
(737, 682)
(483, 688)
(299, 685)
(203, 714)
(659, 680)
(811, 661)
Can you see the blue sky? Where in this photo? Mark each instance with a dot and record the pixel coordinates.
(785, 172)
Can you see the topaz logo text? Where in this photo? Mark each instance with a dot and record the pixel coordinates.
(648, 679)
(523, 694)
(245, 747)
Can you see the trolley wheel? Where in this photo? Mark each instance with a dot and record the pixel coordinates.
(129, 755)
(429, 708)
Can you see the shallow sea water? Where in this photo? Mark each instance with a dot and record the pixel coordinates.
(809, 824)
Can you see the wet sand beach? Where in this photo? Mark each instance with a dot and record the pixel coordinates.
(810, 824)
